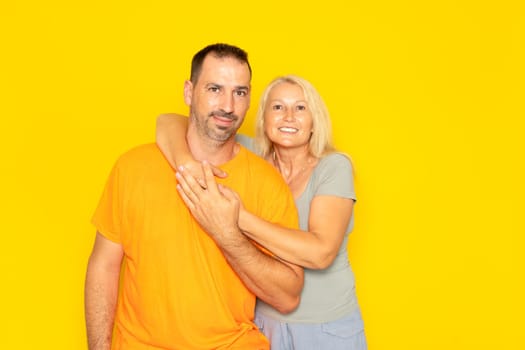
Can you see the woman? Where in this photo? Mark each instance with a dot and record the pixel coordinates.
(293, 133)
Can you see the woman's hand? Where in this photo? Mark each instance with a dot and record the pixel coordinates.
(214, 206)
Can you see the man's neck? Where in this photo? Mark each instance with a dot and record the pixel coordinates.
(215, 152)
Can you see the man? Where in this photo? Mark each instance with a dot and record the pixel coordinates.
(180, 287)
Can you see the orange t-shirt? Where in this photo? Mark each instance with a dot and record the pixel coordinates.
(177, 290)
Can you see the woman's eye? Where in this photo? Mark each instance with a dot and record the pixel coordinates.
(277, 107)
(301, 108)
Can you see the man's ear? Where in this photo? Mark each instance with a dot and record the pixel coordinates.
(188, 91)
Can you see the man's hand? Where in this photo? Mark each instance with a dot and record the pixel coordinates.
(215, 207)
(195, 168)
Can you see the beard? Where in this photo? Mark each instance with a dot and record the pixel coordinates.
(218, 133)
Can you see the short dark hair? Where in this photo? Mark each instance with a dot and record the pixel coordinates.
(219, 50)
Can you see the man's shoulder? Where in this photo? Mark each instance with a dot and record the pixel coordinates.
(144, 155)
(259, 171)
(256, 161)
(271, 197)
(139, 152)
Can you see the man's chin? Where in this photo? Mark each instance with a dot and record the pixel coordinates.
(222, 136)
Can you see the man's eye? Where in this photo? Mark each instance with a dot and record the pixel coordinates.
(213, 89)
(241, 93)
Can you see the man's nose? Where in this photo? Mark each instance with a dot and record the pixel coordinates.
(227, 103)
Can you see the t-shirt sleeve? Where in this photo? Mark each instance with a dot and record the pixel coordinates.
(278, 205)
(107, 216)
(279, 208)
(244, 140)
(336, 177)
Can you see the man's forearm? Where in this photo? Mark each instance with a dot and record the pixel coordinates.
(100, 303)
(277, 282)
(273, 281)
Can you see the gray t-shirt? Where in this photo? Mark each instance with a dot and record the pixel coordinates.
(328, 294)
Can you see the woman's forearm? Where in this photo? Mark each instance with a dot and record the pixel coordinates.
(296, 246)
(171, 138)
(314, 249)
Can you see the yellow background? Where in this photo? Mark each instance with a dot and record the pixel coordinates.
(427, 97)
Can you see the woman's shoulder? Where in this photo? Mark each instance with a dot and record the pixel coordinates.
(335, 160)
(335, 176)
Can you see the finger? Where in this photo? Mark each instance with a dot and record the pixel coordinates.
(229, 193)
(236, 196)
(188, 184)
(202, 183)
(209, 178)
(185, 198)
(196, 185)
(182, 187)
(231, 196)
(195, 169)
(226, 191)
(218, 172)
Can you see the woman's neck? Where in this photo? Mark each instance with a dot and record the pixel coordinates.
(295, 165)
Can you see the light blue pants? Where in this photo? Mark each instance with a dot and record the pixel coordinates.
(344, 334)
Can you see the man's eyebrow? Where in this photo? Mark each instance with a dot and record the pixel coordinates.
(238, 87)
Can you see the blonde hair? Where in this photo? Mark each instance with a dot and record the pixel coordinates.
(320, 142)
